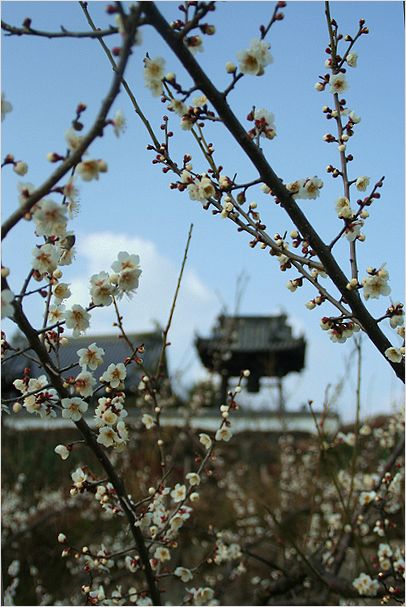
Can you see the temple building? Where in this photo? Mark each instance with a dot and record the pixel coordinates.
(263, 344)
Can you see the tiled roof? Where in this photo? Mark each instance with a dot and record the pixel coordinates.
(252, 334)
(115, 348)
(263, 344)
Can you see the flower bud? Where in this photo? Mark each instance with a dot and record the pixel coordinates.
(20, 168)
(230, 67)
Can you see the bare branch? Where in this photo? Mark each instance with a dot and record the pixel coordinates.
(64, 33)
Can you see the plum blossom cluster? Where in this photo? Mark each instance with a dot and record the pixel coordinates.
(165, 516)
(110, 415)
(264, 124)
(376, 283)
(305, 189)
(106, 496)
(199, 187)
(154, 71)
(254, 60)
(339, 330)
(202, 596)
(124, 280)
(365, 585)
(38, 397)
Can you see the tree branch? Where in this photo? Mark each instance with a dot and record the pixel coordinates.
(270, 178)
(95, 131)
(64, 33)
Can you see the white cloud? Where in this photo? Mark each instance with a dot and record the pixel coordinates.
(197, 305)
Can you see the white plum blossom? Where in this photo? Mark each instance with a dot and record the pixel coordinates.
(338, 83)
(79, 477)
(201, 190)
(311, 187)
(355, 118)
(107, 436)
(200, 101)
(73, 408)
(91, 357)
(343, 208)
(193, 478)
(50, 218)
(66, 249)
(154, 70)
(56, 313)
(114, 375)
(187, 122)
(178, 493)
(128, 272)
(101, 289)
(177, 106)
(63, 452)
(201, 596)
(45, 258)
(305, 188)
(362, 183)
(376, 284)
(90, 169)
(84, 383)
(185, 574)
(119, 123)
(207, 188)
(25, 190)
(125, 261)
(352, 59)
(128, 282)
(365, 585)
(397, 317)
(109, 417)
(77, 318)
(61, 291)
(224, 434)
(394, 354)
(228, 206)
(148, 421)
(162, 554)
(384, 551)
(7, 309)
(254, 60)
(122, 433)
(6, 107)
(205, 440)
(73, 140)
(132, 563)
(353, 230)
(265, 123)
(367, 497)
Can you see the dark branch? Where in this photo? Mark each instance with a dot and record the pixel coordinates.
(64, 33)
(95, 131)
(270, 178)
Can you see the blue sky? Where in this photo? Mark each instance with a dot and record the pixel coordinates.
(132, 207)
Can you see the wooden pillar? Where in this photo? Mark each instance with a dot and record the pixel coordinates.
(281, 399)
(224, 388)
